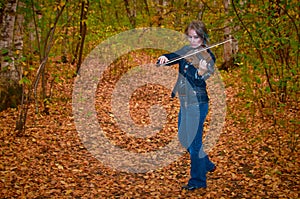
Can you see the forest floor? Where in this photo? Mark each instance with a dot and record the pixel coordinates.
(49, 159)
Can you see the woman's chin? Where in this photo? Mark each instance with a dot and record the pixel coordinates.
(195, 46)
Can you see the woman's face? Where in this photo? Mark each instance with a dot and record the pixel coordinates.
(194, 39)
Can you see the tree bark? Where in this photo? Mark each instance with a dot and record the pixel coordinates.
(11, 45)
(131, 13)
(83, 27)
(230, 48)
(82, 30)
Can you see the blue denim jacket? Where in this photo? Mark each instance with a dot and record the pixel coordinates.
(190, 86)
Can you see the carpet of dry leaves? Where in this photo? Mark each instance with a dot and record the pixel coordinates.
(50, 161)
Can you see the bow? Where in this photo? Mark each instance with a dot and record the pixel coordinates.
(194, 52)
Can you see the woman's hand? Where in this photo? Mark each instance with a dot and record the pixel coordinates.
(162, 60)
(202, 67)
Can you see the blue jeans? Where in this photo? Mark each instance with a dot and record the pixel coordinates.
(190, 131)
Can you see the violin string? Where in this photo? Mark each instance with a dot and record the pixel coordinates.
(195, 52)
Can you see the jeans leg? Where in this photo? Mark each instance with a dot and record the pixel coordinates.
(187, 125)
(200, 163)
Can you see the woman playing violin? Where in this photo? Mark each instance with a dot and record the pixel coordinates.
(191, 88)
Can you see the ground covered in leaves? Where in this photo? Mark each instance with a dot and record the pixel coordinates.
(49, 159)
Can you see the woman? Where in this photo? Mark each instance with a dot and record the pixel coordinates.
(191, 88)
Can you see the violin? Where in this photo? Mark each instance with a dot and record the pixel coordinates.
(196, 55)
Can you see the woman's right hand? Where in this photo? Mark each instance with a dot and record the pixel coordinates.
(162, 59)
(202, 67)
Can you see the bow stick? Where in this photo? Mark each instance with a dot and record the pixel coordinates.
(195, 52)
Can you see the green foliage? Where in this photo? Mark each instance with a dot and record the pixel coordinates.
(24, 80)
(4, 51)
(2, 2)
(269, 39)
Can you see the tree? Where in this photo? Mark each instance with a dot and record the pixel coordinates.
(83, 29)
(11, 45)
(43, 58)
(230, 48)
(270, 42)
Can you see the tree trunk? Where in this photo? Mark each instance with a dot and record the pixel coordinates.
(131, 13)
(230, 48)
(83, 29)
(160, 11)
(11, 45)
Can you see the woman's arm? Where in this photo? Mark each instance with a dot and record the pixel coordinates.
(162, 60)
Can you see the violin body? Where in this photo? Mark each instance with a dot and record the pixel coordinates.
(195, 57)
